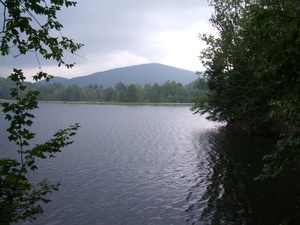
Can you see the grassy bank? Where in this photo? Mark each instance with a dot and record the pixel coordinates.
(119, 103)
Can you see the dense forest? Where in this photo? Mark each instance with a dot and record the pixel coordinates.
(169, 92)
(253, 72)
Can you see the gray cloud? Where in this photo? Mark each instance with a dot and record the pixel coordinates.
(120, 32)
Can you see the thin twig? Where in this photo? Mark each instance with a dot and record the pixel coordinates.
(4, 17)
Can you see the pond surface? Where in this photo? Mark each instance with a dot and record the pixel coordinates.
(143, 165)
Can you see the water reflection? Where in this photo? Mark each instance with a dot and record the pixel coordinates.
(223, 190)
(157, 165)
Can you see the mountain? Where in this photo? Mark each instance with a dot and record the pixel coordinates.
(142, 74)
(57, 80)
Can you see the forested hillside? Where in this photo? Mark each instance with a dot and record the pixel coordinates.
(141, 74)
(253, 72)
(168, 92)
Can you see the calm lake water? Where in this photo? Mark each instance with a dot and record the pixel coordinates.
(156, 165)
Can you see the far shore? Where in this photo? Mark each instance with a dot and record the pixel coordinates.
(120, 103)
(112, 103)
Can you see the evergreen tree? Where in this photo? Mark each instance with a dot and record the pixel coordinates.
(132, 93)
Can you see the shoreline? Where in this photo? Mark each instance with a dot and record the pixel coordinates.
(120, 103)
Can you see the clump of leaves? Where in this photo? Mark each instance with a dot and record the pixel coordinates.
(19, 199)
(23, 31)
(30, 26)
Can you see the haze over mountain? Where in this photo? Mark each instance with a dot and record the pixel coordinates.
(142, 74)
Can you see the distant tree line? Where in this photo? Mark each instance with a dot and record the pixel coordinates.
(170, 92)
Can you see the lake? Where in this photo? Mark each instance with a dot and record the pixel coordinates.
(156, 165)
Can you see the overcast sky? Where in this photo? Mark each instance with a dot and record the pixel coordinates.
(118, 33)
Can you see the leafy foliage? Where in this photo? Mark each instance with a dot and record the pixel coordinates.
(22, 32)
(19, 198)
(253, 72)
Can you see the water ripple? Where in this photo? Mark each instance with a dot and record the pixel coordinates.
(146, 165)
